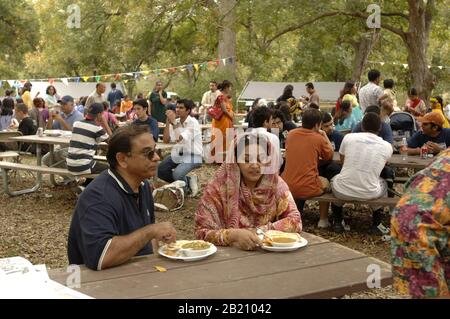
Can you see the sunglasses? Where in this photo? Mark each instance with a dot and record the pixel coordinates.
(149, 154)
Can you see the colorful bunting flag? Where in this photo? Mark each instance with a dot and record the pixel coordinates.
(117, 77)
(65, 81)
(11, 83)
(196, 67)
(86, 78)
(405, 66)
(77, 79)
(440, 67)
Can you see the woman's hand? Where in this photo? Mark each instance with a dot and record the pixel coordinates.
(244, 239)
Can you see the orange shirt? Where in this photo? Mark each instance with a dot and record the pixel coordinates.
(303, 149)
(125, 106)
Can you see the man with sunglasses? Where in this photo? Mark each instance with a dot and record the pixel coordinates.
(114, 217)
(432, 135)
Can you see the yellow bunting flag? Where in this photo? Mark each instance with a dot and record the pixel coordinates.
(85, 78)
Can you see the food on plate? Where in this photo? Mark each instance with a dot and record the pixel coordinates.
(280, 239)
(197, 245)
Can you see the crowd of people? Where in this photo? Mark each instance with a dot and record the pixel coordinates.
(114, 217)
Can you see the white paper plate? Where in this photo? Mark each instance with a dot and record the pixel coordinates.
(302, 243)
(211, 251)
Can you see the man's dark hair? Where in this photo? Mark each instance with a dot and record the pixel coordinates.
(9, 92)
(310, 118)
(113, 85)
(260, 115)
(213, 81)
(141, 102)
(284, 108)
(412, 92)
(188, 104)
(388, 84)
(326, 117)
(373, 109)
(310, 85)
(277, 114)
(371, 123)
(373, 75)
(98, 84)
(121, 141)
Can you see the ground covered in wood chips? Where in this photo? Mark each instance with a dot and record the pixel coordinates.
(35, 226)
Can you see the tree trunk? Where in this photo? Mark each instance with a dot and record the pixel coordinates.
(363, 47)
(227, 36)
(416, 40)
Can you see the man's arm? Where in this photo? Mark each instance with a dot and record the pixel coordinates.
(123, 248)
(162, 98)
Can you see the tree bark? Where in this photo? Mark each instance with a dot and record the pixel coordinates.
(227, 35)
(363, 47)
(416, 40)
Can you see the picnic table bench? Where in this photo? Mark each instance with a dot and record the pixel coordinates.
(7, 166)
(382, 201)
(322, 269)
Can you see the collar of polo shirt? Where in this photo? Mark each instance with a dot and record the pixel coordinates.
(122, 182)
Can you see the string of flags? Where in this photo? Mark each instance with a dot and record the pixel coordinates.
(405, 65)
(127, 76)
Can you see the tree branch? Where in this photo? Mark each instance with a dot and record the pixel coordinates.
(386, 26)
(300, 25)
(395, 14)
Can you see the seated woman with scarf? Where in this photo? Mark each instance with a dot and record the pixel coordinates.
(247, 193)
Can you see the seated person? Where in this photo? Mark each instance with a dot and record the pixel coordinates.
(143, 118)
(364, 156)
(334, 136)
(414, 104)
(279, 123)
(187, 154)
(109, 118)
(86, 136)
(329, 169)
(310, 144)
(386, 130)
(343, 119)
(114, 217)
(420, 230)
(63, 119)
(436, 107)
(284, 108)
(357, 113)
(261, 117)
(246, 193)
(26, 126)
(433, 135)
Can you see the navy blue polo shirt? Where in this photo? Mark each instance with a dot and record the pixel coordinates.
(385, 132)
(107, 207)
(153, 125)
(419, 139)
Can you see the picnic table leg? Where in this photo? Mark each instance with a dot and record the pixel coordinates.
(21, 192)
(52, 176)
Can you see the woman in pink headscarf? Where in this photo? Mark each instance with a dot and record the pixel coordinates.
(247, 193)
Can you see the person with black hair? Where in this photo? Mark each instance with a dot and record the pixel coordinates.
(390, 93)
(224, 103)
(143, 118)
(313, 96)
(98, 96)
(343, 119)
(305, 146)
(284, 108)
(51, 97)
(261, 118)
(6, 114)
(279, 123)
(187, 154)
(114, 95)
(371, 93)
(385, 132)
(114, 218)
(433, 135)
(415, 105)
(158, 102)
(363, 157)
(287, 94)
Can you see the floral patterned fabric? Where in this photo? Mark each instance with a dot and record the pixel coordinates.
(420, 232)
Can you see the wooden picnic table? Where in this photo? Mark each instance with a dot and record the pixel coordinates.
(396, 161)
(322, 269)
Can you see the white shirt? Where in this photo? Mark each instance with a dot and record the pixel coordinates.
(365, 157)
(369, 94)
(209, 98)
(447, 111)
(192, 137)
